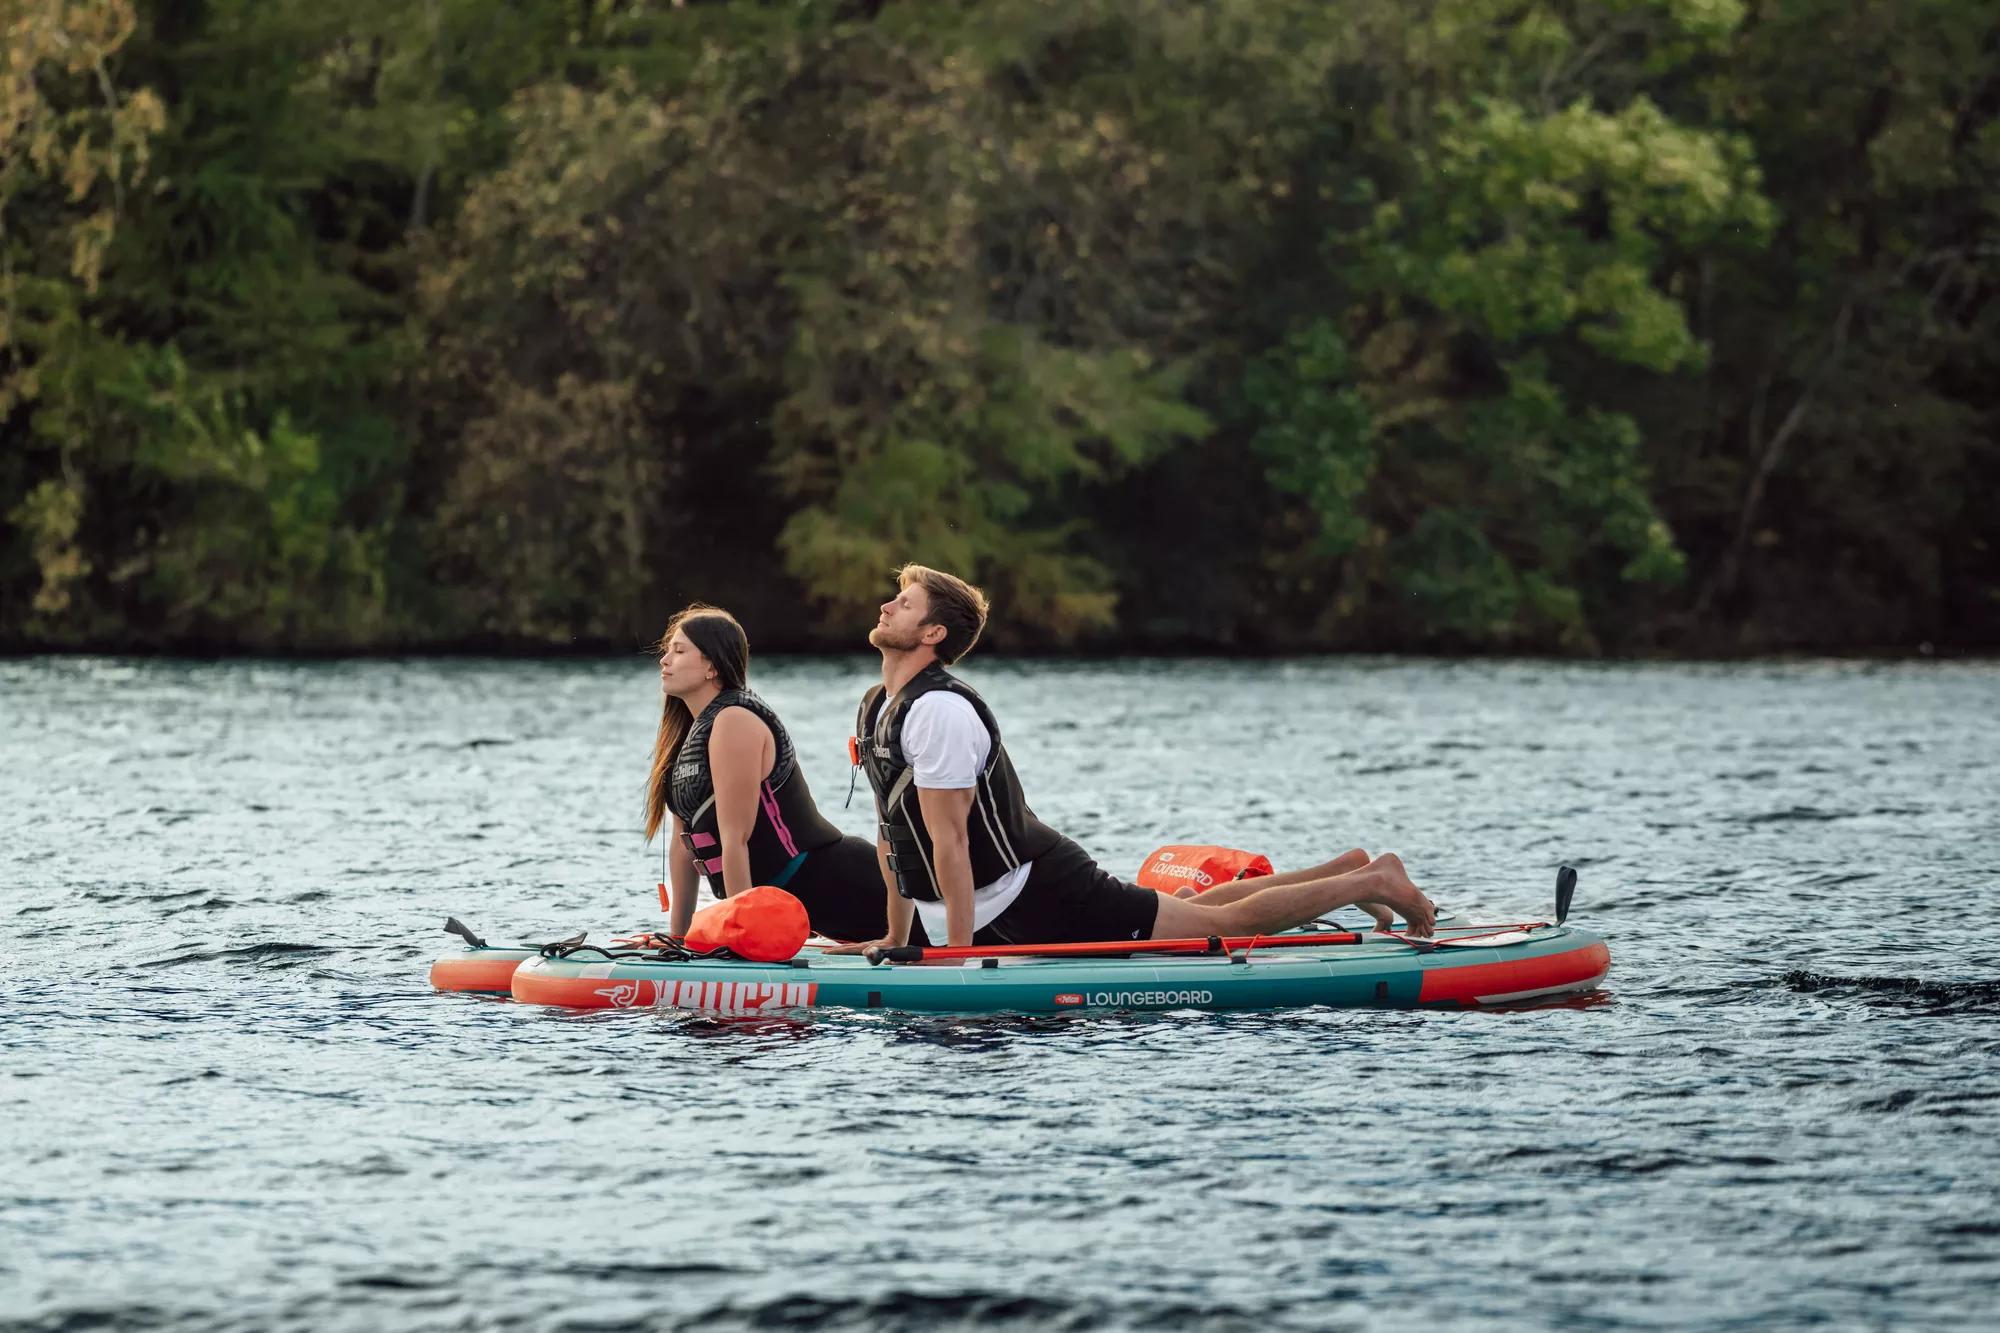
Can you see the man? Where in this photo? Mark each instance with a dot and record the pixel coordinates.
(960, 848)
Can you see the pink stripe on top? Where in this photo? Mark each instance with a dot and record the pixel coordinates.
(777, 820)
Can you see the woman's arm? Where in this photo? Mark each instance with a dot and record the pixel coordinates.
(686, 884)
(740, 754)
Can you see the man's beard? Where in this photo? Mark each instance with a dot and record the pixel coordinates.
(886, 639)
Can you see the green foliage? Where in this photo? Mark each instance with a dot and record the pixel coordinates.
(1317, 436)
(1526, 226)
(49, 518)
(1460, 324)
(913, 411)
(1847, 449)
(1466, 482)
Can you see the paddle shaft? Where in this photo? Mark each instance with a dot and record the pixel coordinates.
(910, 953)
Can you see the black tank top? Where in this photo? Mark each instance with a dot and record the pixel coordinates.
(1001, 830)
(788, 824)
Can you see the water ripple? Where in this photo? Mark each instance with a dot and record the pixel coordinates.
(237, 1105)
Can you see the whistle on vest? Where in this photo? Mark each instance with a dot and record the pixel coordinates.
(853, 769)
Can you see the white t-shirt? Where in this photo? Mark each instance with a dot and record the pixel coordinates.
(947, 746)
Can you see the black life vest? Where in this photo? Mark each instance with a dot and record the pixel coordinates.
(1002, 832)
(788, 824)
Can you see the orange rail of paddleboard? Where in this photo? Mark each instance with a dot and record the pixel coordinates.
(1489, 983)
(494, 975)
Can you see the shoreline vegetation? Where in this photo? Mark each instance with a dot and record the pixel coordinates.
(1635, 329)
(827, 650)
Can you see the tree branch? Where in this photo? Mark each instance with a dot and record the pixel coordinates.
(1723, 581)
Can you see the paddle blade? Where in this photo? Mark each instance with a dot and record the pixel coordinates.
(1565, 890)
(453, 926)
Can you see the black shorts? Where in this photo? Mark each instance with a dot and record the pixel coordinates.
(841, 886)
(1070, 898)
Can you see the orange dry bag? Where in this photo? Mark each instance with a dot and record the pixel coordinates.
(1173, 868)
(764, 925)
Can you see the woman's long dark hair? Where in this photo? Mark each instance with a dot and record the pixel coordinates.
(717, 637)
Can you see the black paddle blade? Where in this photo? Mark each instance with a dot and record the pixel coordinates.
(453, 926)
(1565, 890)
(572, 940)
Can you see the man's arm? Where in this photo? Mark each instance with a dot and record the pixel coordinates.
(901, 909)
(945, 812)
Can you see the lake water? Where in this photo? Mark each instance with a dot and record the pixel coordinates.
(228, 1098)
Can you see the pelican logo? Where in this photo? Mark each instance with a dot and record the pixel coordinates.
(1069, 998)
(622, 995)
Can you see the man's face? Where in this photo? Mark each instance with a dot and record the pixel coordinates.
(901, 627)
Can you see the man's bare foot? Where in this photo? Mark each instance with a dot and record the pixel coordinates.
(1420, 913)
(1383, 917)
(1391, 865)
(1400, 893)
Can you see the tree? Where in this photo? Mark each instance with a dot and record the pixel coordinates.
(73, 145)
(1514, 237)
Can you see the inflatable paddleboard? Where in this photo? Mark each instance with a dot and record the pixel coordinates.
(1461, 965)
(1464, 966)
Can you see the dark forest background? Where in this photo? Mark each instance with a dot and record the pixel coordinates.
(1634, 326)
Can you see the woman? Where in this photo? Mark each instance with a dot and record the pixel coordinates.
(725, 770)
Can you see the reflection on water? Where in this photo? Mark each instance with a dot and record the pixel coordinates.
(231, 1101)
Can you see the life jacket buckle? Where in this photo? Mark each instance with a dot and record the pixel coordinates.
(895, 864)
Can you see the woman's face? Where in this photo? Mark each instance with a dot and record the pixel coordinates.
(683, 669)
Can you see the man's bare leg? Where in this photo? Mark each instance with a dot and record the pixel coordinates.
(1238, 889)
(1272, 908)
(1235, 889)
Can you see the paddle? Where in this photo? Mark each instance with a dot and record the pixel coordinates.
(910, 953)
(456, 927)
(1484, 937)
(453, 926)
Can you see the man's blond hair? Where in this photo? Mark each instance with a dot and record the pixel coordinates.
(955, 604)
